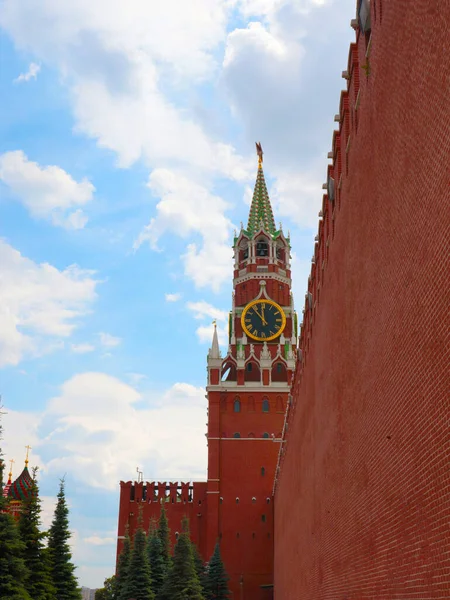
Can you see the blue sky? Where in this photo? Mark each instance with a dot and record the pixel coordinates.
(126, 161)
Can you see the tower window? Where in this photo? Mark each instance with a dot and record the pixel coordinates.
(262, 249)
(263, 471)
(279, 368)
(236, 435)
(263, 518)
(265, 435)
(265, 405)
(237, 405)
(249, 367)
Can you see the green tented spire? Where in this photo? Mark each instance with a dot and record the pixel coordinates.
(260, 209)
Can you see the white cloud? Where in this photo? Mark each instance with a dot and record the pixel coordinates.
(32, 73)
(108, 340)
(284, 48)
(202, 309)
(20, 429)
(39, 304)
(47, 192)
(205, 334)
(82, 348)
(124, 63)
(187, 208)
(173, 297)
(298, 196)
(99, 428)
(96, 540)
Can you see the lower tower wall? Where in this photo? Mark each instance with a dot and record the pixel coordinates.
(362, 502)
(180, 500)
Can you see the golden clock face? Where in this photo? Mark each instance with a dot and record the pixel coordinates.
(263, 320)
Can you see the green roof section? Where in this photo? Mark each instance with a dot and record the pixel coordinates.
(260, 209)
(22, 487)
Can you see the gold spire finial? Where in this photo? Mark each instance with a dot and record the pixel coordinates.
(259, 152)
(214, 323)
(11, 462)
(26, 458)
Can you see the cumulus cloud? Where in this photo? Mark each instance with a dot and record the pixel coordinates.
(271, 67)
(47, 192)
(32, 73)
(96, 540)
(172, 297)
(82, 348)
(123, 63)
(298, 196)
(108, 340)
(99, 428)
(39, 305)
(202, 311)
(187, 208)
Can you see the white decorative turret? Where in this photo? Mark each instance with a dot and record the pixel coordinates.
(214, 351)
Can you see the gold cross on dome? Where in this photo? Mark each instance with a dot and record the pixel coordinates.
(11, 462)
(26, 458)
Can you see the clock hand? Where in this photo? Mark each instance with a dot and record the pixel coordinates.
(264, 322)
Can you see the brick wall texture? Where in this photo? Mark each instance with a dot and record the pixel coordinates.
(362, 503)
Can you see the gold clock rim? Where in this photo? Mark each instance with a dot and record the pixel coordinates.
(260, 301)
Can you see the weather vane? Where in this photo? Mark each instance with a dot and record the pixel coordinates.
(259, 152)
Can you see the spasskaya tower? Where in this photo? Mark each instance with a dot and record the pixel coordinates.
(247, 394)
(247, 391)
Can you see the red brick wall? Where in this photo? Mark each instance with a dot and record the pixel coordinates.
(362, 506)
(194, 508)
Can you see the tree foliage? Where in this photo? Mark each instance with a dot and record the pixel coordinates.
(138, 585)
(13, 571)
(182, 582)
(217, 578)
(200, 569)
(38, 583)
(123, 566)
(108, 591)
(164, 535)
(62, 568)
(158, 566)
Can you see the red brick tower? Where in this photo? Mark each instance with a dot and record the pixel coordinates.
(247, 395)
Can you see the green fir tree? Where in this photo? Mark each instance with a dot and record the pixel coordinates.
(217, 579)
(164, 536)
(158, 565)
(62, 568)
(39, 583)
(200, 568)
(108, 591)
(182, 582)
(138, 585)
(13, 572)
(123, 566)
